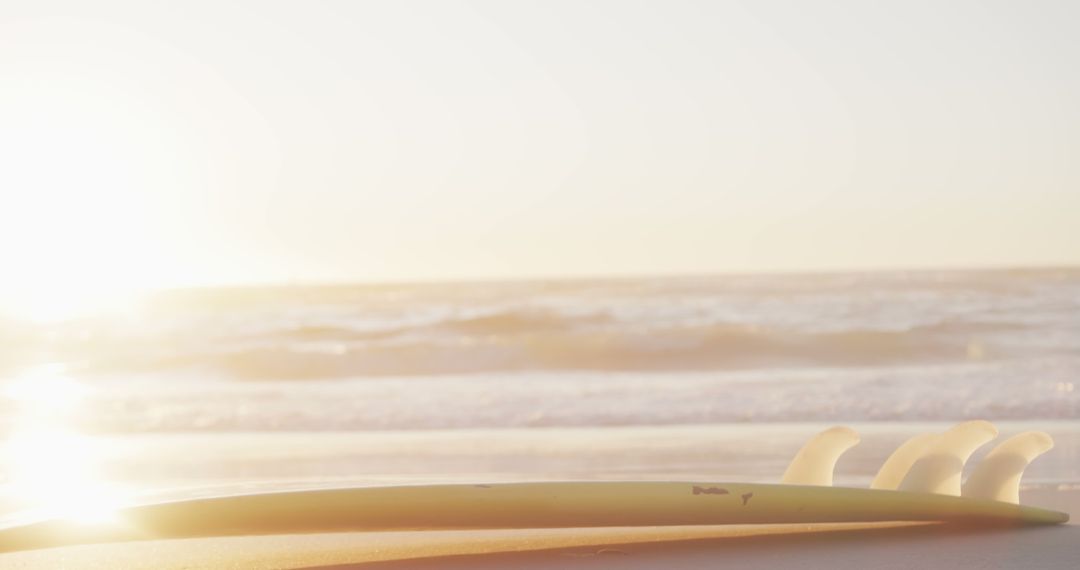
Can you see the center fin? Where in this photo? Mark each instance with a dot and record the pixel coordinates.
(942, 464)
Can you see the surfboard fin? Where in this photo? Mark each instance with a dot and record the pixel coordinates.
(941, 466)
(997, 476)
(898, 464)
(814, 463)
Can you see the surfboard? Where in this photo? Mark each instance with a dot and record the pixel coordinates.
(913, 485)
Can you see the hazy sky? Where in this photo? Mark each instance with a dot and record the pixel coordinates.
(165, 143)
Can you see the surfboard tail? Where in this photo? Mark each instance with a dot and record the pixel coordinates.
(930, 463)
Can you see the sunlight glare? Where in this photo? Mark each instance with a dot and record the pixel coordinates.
(45, 392)
(56, 474)
(79, 225)
(53, 470)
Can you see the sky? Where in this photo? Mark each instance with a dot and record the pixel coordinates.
(151, 144)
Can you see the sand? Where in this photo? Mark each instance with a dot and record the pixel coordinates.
(883, 545)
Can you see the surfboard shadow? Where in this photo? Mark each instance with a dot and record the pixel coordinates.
(929, 544)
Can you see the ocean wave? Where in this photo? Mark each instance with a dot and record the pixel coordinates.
(519, 340)
(502, 343)
(629, 325)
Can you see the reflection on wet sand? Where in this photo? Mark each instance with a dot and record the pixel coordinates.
(51, 469)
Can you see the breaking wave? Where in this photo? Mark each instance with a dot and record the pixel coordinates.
(619, 326)
(523, 341)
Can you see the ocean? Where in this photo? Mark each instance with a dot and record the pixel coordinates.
(617, 378)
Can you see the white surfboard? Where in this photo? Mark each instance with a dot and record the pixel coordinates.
(804, 497)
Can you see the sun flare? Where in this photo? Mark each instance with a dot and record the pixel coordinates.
(82, 209)
(53, 471)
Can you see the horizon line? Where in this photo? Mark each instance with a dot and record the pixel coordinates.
(601, 277)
